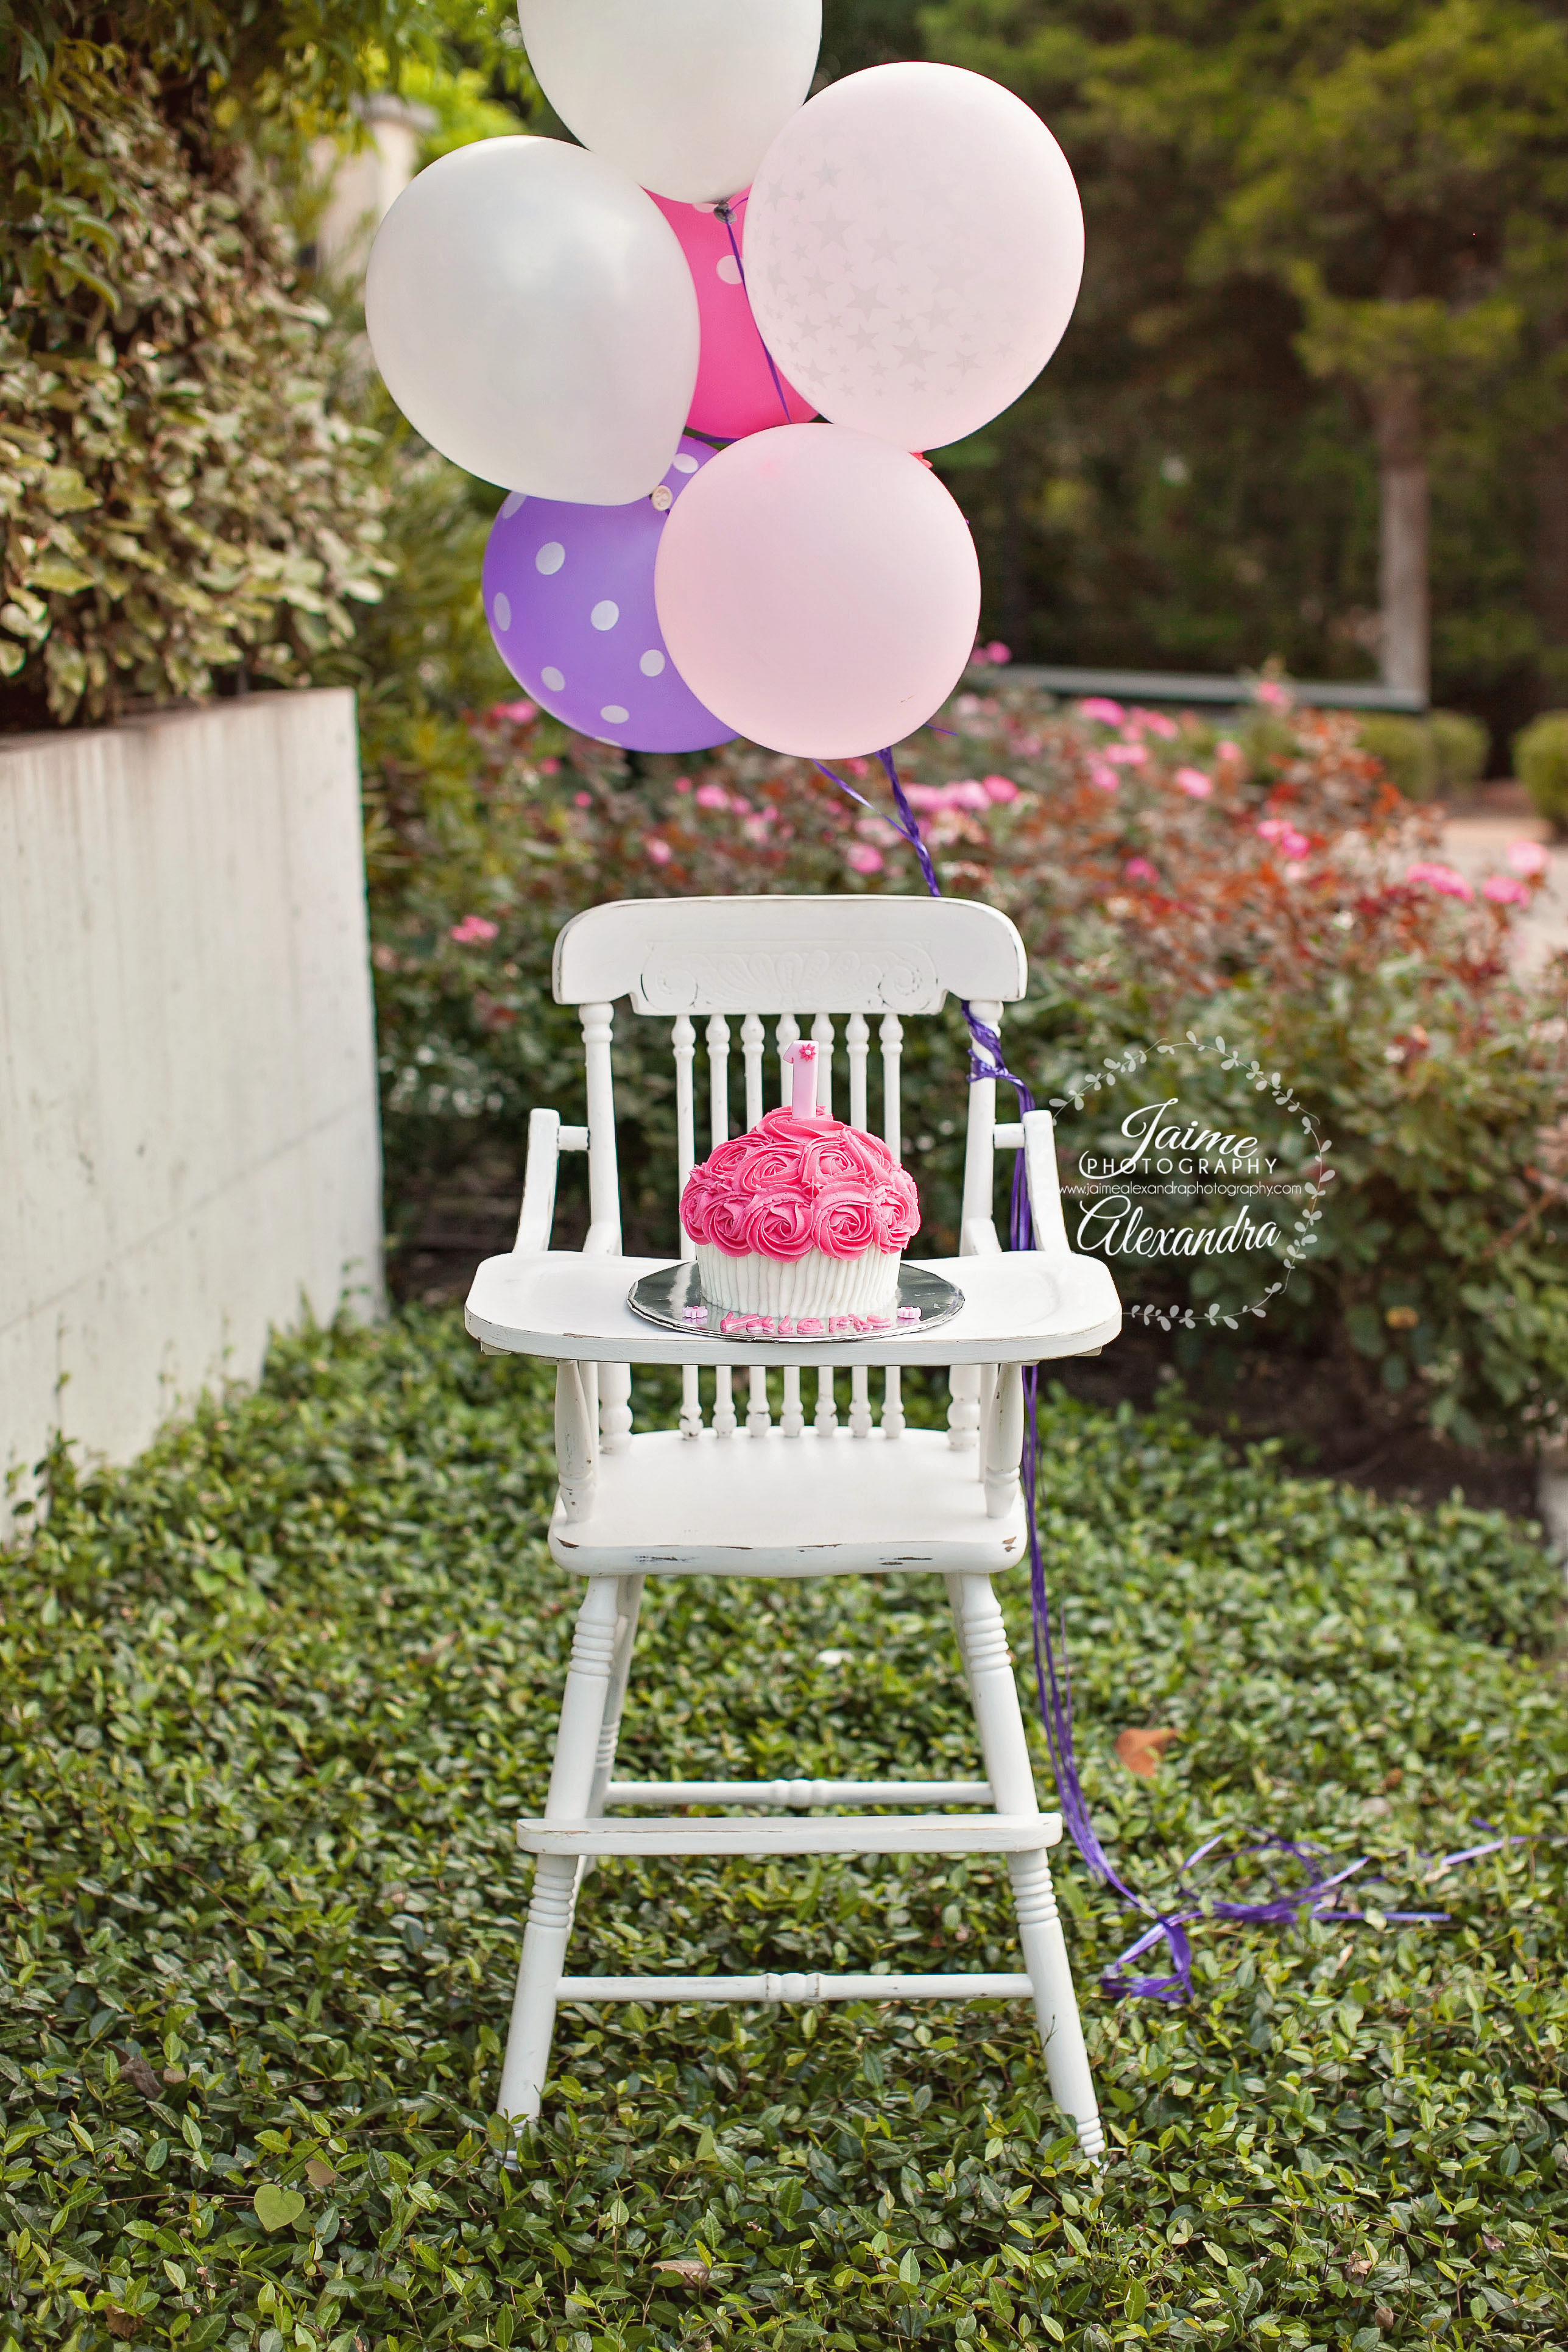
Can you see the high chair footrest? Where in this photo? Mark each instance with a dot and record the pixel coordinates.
(797, 1988)
(834, 1834)
(798, 1795)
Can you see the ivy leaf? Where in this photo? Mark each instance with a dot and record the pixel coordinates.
(65, 492)
(276, 2208)
(59, 573)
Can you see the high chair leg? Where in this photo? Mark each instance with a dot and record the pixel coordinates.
(589, 1680)
(983, 1644)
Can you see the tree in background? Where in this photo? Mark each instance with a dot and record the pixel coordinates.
(1325, 270)
(1392, 190)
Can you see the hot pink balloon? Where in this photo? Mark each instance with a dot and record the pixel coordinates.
(818, 590)
(736, 393)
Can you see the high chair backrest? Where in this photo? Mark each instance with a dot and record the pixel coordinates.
(793, 961)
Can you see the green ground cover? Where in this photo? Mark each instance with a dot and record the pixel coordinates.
(274, 1696)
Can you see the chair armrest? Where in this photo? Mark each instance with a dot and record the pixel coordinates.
(1045, 1184)
(538, 1212)
(547, 1140)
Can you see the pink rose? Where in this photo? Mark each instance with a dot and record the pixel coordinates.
(1193, 782)
(861, 858)
(1505, 890)
(1528, 856)
(896, 1211)
(1128, 755)
(770, 1168)
(728, 1220)
(784, 1127)
(843, 1158)
(660, 851)
(845, 1224)
(1439, 877)
(1138, 869)
(1000, 788)
(729, 1159)
(779, 1227)
(1101, 711)
(473, 931)
(1104, 778)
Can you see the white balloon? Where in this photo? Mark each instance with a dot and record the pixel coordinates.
(913, 243)
(683, 94)
(534, 319)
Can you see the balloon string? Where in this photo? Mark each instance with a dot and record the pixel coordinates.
(1053, 1679)
(726, 212)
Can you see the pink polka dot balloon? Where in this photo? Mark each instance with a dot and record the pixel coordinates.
(568, 593)
(736, 392)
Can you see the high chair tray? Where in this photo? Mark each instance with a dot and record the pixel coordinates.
(673, 1296)
(1019, 1307)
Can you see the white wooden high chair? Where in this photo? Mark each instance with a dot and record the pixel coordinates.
(795, 1497)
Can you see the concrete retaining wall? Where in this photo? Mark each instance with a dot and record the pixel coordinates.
(189, 1146)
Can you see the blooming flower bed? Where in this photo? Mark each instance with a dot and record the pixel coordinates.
(1266, 885)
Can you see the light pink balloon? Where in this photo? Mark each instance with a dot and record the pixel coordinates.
(735, 393)
(818, 589)
(914, 243)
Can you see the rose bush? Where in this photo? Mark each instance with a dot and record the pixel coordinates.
(1268, 885)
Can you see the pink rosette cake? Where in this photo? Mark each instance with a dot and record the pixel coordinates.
(801, 1222)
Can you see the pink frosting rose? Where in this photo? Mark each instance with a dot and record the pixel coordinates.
(794, 1183)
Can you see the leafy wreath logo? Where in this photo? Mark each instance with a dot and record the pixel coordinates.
(1083, 1087)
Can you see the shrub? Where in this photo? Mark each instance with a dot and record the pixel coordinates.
(1540, 760)
(1428, 759)
(1274, 900)
(1460, 748)
(179, 495)
(1403, 748)
(275, 1696)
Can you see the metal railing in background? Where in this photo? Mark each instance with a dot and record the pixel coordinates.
(1179, 685)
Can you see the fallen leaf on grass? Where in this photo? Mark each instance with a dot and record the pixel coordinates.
(141, 2077)
(274, 2208)
(1143, 1751)
(690, 2272)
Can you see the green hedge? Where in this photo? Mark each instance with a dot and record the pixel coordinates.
(1541, 756)
(1435, 758)
(182, 494)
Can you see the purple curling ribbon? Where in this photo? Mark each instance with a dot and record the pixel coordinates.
(726, 212)
(1284, 1904)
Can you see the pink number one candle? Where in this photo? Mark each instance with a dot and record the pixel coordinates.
(802, 1057)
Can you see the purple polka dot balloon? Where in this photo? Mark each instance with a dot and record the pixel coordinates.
(569, 596)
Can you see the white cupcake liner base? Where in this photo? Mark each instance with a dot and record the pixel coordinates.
(814, 1284)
